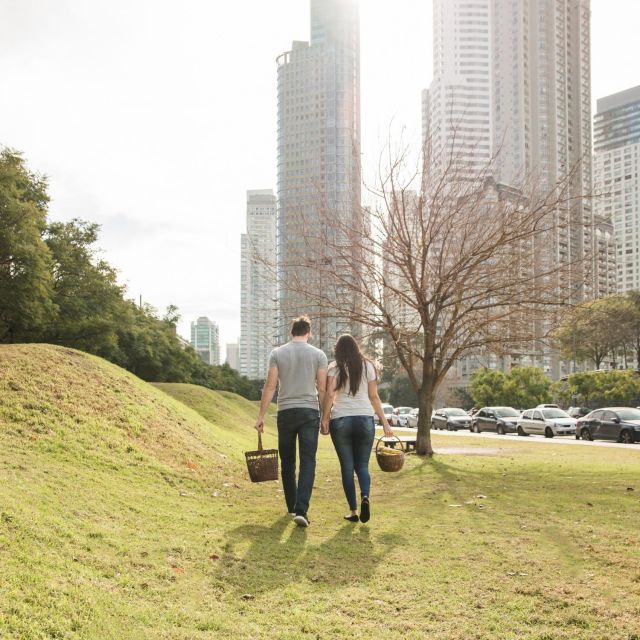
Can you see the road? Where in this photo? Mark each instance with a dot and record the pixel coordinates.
(567, 440)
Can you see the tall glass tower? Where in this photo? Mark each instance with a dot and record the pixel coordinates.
(205, 340)
(318, 156)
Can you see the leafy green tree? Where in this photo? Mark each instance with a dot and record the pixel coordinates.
(618, 387)
(633, 324)
(526, 387)
(89, 302)
(54, 287)
(25, 274)
(521, 387)
(600, 388)
(486, 387)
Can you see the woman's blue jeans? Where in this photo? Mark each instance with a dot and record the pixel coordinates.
(353, 439)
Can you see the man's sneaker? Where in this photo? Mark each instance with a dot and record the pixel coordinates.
(292, 514)
(301, 520)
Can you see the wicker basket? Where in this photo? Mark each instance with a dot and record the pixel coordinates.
(263, 463)
(390, 461)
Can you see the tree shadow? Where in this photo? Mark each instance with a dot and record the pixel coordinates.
(280, 554)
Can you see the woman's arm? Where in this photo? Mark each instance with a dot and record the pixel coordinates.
(327, 403)
(374, 398)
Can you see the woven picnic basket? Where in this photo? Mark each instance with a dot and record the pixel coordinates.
(387, 460)
(263, 463)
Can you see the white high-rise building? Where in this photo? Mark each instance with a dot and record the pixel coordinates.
(457, 106)
(512, 81)
(617, 166)
(512, 85)
(233, 355)
(318, 153)
(258, 292)
(205, 340)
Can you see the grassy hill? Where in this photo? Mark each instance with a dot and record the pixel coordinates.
(125, 513)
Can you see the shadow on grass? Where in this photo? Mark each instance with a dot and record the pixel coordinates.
(458, 484)
(280, 555)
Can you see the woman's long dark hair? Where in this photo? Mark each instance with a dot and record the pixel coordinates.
(350, 363)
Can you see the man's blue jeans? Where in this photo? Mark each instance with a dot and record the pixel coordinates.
(353, 439)
(302, 425)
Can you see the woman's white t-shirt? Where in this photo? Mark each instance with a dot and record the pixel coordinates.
(344, 404)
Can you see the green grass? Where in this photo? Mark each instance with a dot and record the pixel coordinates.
(126, 514)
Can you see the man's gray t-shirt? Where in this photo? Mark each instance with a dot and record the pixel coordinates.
(297, 363)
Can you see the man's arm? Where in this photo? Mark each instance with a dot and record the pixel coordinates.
(268, 391)
(327, 403)
(321, 385)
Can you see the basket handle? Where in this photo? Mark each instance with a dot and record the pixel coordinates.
(381, 438)
(259, 441)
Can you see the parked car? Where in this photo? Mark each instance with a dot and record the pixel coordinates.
(412, 418)
(620, 424)
(499, 419)
(547, 406)
(450, 419)
(547, 423)
(387, 409)
(399, 416)
(578, 412)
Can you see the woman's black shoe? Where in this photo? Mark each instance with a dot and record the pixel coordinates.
(353, 518)
(365, 511)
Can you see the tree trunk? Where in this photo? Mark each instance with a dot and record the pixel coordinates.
(425, 404)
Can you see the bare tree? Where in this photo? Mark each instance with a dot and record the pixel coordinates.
(444, 266)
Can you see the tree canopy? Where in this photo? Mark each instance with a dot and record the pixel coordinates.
(521, 387)
(55, 288)
(599, 388)
(26, 304)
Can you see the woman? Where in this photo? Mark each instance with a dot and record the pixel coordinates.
(347, 413)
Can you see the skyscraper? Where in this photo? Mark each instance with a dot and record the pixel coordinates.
(233, 355)
(258, 294)
(512, 81)
(458, 104)
(512, 86)
(205, 340)
(318, 150)
(617, 165)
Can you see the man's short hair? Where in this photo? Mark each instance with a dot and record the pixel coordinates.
(301, 326)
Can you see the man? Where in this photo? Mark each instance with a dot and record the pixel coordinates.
(299, 371)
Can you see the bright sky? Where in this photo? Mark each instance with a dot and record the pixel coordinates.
(153, 118)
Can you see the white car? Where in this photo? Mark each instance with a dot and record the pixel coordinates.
(399, 416)
(387, 409)
(412, 418)
(546, 422)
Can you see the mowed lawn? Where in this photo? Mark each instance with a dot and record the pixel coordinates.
(125, 514)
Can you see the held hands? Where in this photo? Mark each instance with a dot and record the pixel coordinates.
(324, 427)
(260, 425)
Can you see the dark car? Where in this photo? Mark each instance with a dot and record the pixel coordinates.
(450, 419)
(578, 412)
(499, 419)
(619, 424)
